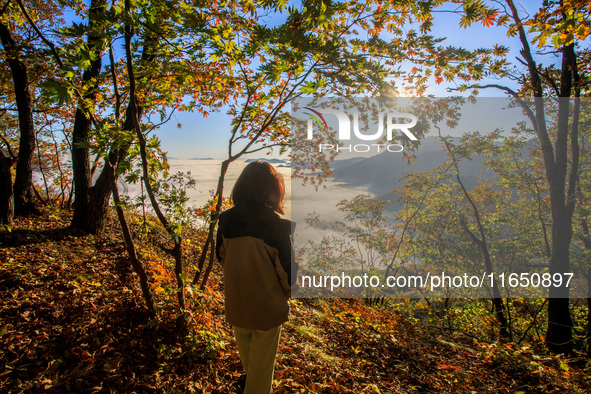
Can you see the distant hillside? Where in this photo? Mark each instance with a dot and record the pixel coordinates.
(381, 173)
(346, 162)
(269, 160)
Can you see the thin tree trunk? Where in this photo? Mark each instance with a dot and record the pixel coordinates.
(136, 264)
(209, 266)
(134, 116)
(210, 241)
(62, 194)
(47, 200)
(98, 197)
(482, 244)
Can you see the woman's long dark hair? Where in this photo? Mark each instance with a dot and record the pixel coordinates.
(259, 183)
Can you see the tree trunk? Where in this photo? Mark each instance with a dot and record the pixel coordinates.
(98, 202)
(562, 187)
(6, 194)
(23, 181)
(100, 194)
(559, 333)
(82, 124)
(559, 336)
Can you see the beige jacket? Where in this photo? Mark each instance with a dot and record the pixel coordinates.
(254, 247)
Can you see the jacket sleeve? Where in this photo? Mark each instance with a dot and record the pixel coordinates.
(286, 251)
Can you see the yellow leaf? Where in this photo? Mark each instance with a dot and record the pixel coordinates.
(582, 32)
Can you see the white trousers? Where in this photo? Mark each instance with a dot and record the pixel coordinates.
(258, 351)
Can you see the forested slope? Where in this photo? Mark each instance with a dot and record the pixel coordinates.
(72, 320)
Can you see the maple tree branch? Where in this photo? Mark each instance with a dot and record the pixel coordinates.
(482, 241)
(526, 50)
(154, 126)
(512, 93)
(273, 115)
(40, 34)
(534, 321)
(551, 82)
(238, 124)
(467, 230)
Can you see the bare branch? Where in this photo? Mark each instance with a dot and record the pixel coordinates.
(263, 148)
(115, 87)
(155, 126)
(496, 86)
(10, 152)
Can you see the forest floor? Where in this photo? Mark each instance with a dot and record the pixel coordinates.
(72, 320)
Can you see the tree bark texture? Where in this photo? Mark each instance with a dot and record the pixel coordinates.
(559, 336)
(82, 125)
(562, 175)
(6, 194)
(23, 181)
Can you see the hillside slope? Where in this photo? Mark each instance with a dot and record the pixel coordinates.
(72, 320)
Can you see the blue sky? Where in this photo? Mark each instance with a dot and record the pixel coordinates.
(207, 137)
(197, 136)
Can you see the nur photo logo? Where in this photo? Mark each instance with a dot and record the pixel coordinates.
(348, 125)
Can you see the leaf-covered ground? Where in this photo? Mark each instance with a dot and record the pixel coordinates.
(72, 320)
